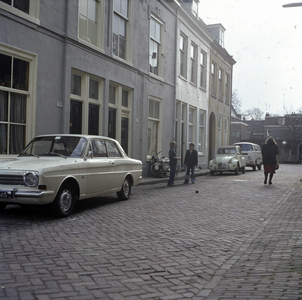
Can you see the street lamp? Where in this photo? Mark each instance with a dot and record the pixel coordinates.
(292, 4)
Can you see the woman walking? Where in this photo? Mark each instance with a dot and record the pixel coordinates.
(269, 158)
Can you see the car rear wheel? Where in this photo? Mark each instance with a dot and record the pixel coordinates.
(64, 202)
(2, 205)
(125, 192)
(259, 167)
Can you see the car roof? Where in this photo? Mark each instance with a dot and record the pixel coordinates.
(228, 147)
(245, 143)
(87, 136)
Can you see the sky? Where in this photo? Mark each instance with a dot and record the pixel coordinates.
(265, 40)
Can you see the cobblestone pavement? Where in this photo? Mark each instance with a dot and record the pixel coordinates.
(225, 237)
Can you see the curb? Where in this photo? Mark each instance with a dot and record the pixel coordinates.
(180, 176)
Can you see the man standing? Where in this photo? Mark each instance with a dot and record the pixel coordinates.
(190, 163)
(173, 161)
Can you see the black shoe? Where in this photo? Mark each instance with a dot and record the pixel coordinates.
(186, 182)
(193, 182)
(270, 182)
(265, 181)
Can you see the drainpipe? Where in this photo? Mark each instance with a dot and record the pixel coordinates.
(176, 75)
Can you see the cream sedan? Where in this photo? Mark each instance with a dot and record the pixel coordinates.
(228, 159)
(58, 170)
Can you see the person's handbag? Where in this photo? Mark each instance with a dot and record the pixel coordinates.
(277, 164)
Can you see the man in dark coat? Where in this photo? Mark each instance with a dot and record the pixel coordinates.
(269, 158)
(173, 161)
(190, 163)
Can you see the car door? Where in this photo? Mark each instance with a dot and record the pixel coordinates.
(118, 164)
(100, 175)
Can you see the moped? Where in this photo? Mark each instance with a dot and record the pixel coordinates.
(159, 166)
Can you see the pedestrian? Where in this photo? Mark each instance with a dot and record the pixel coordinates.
(269, 158)
(173, 161)
(190, 163)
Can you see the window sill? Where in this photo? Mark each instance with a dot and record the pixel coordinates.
(91, 46)
(19, 13)
(202, 89)
(193, 84)
(220, 100)
(122, 60)
(213, 96)
(182, 78)
(157, 77)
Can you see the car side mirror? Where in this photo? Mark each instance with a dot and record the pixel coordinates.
(89, 155)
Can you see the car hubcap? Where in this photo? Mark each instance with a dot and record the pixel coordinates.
(65, 200)
(126, 188)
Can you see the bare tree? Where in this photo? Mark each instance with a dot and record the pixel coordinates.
(236, 101)
(256, 113)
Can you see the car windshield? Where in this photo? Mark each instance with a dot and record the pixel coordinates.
(246, 147)
(226, 151)
(65, 146)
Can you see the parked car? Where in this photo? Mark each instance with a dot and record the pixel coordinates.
(228, 159)
(60, 169)
(252, 154)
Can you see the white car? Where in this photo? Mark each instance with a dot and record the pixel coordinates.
(228, 159)
(61, 169)
(252, 154)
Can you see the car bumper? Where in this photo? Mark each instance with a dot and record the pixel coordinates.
(22, 196)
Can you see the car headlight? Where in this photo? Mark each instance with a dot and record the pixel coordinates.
(214, 161)
(31, 178)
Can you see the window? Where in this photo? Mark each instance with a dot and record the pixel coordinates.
(191, 125)
(227, 88)
(203, 70)
(155, 44)
(89, 22)
(120, 114)
(195, 8)
(235, 133)
(153, 126)
(219, 131)
(226, 131)
(220, 77)
(183, 55)
(221, 38)
(120, 25)
(193, 64)
(201, 137)
(85, 104)
(27, 9)
(15, 103)
(213, 79)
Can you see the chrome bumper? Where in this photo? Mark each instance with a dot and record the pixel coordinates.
(15, 193)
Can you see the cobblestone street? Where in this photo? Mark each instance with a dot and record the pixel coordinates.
(225, 237)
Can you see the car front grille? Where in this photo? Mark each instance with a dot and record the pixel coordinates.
(9, 179)
(221, 166)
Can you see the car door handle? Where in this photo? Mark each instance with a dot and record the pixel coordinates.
(111, 163)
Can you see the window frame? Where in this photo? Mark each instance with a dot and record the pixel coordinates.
(202, 129)
(193, 60)
(99, 28)
(213, 79)
(32, 16)
(203, 69)
(86, 100)
(183, 56)
(220, 78)
(30, 114)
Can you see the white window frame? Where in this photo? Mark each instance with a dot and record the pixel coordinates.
(195, 8)
(129, 32)
(160, 47)
(193, 59)
(227, 88)
(219, 130)
(85, 100)
(220, 78)
(203, 69)
(191, 124)
(159, 124)
(122, 112)
(183, 49)
(213, 78)
(31, 93)
(100, 26)
(202, 130)
(32, 16)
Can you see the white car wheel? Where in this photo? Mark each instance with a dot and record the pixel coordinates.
(125, 192)
(64, 202)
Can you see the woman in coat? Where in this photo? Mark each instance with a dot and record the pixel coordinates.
(269, 158)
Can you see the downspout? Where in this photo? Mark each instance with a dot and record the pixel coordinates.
(176, 75)
(64, 72)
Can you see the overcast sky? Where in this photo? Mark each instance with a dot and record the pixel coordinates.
(265, 39)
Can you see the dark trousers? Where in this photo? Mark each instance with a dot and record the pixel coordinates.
(172, 173)
(188, 169)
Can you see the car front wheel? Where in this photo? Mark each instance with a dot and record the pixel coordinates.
(64, 202)
(125, 191)
(243, 170)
